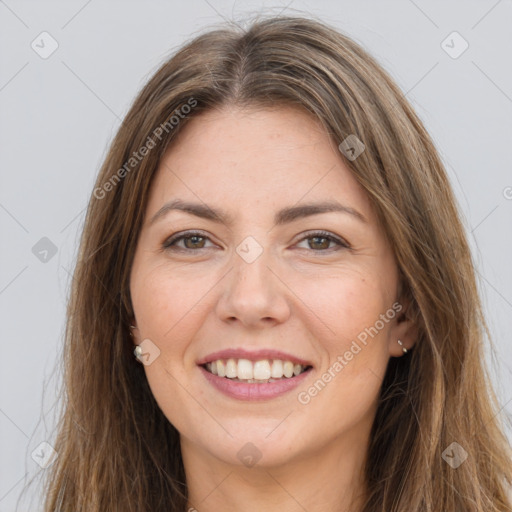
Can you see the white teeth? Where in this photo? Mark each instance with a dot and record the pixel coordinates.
(245, 370)
(277, 369)
(221, 368)
(231, 369)
(261, 370)
(288, 369)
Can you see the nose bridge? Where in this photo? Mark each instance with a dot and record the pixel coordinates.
(250, 250)
(253, 292)
(251, 273)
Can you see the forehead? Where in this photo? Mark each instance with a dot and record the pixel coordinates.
(264, 157)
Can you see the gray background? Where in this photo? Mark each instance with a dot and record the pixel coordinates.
(58, 115)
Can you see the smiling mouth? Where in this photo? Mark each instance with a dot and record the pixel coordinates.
(255, 372)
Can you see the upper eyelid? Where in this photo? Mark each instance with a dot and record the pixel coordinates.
(308, 234)
(185, 234)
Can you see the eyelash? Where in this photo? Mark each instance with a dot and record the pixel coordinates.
(169, 243)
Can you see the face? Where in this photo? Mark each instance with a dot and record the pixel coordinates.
(318, 286)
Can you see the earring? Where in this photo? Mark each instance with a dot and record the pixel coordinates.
(137, 352)
(402, 345)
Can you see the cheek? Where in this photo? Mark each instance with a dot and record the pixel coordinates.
(347, 387)
(162, 300)
(166, 307)
(345, 304)
(355, 344)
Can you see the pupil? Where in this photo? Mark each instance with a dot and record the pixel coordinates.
(321, 238)
(193, 239)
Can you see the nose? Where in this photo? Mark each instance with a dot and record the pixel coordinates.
(253, 294)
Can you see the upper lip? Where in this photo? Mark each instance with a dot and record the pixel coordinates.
(255, 355)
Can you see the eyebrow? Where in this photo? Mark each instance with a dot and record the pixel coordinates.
(284, 216)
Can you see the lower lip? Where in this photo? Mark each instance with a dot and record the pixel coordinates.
(254, 391)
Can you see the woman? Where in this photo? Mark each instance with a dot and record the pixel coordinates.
(274, 306)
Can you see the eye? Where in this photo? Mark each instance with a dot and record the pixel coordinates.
(194, 240)
(322, 240)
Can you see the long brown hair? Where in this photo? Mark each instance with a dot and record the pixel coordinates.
(117, 450)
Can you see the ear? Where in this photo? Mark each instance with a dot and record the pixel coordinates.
(403, 328)
(134, 332)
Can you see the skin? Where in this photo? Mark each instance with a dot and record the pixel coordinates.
(303, 295)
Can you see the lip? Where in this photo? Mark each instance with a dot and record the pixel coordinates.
(255, 391)
(256, 355)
